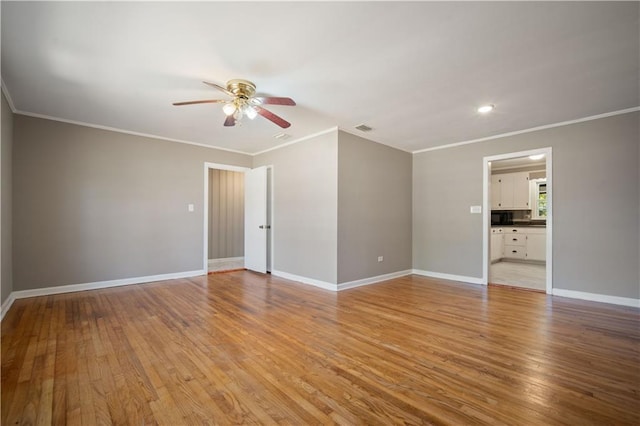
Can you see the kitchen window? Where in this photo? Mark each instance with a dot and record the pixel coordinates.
(539, 199)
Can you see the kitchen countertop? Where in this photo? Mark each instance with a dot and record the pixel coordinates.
(522, 225)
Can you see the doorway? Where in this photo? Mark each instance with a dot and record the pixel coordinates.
(226, 220)
(229, 208)
(517, 237)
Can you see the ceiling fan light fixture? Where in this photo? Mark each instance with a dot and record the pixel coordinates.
(250, 112)
(229, 108)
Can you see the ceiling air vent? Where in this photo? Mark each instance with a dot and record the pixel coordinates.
(364, 128)
(282, 136)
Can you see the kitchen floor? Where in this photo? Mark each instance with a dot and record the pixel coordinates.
(517, 274)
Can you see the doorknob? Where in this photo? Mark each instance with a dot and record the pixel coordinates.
(261, 226)
(264, 226)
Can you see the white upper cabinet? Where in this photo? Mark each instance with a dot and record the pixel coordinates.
(510, 191)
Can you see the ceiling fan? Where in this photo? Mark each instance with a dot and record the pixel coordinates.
(244, 102)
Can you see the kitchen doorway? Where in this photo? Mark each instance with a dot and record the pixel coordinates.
(517, 237)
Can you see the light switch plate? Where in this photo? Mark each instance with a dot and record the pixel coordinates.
(476, 209)
(190, 207)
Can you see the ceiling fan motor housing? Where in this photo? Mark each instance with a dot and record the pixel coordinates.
(241, 88)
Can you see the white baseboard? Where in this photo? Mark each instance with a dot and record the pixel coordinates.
(343, 286)
(6, 305)
(594, 297)
(451, 277)
(373, 280)
(304, 280)
(46, 291)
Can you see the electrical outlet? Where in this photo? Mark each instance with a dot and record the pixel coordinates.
(380, 258)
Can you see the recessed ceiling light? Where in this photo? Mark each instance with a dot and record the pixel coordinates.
(536, 157)
(486, 108)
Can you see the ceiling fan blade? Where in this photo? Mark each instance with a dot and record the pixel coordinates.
(230, 121)
(207, 101)
(272, 117)
(270, 100)
(223, 89)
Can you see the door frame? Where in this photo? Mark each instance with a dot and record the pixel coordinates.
(207, 167)
(486, 216)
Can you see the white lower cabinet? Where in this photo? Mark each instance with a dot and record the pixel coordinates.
(497, 245)
(523, 243)
(537, 247)
(515, 244)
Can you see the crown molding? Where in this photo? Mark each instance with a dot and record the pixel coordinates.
(295, 141)
(532, 129)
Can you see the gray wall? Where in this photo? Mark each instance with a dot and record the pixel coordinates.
(226, 214)
(596, 205)
(374, 208)
(92, 205)
(6, 194)
(305, 208)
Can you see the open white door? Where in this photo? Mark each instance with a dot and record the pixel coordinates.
(255, 219)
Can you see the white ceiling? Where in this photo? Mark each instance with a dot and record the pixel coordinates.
(414, 71)
(514, 163)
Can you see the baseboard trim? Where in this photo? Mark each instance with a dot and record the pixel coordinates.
(373, 280)
(6, 305)
(594, 297)
(451, 277)
(343, 286)
(46, 291)
(305, 280)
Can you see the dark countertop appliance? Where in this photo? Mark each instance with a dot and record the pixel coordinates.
(501, 218)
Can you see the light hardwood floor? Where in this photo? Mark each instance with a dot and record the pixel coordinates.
(519, 274)
(246, 348)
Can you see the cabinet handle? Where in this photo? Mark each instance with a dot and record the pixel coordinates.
(514, 230)
(515, 239)
(514, 251)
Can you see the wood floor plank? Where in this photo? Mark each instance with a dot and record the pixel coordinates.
(247, 348)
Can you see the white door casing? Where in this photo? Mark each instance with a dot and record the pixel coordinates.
(207, 166)
(486, 218)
